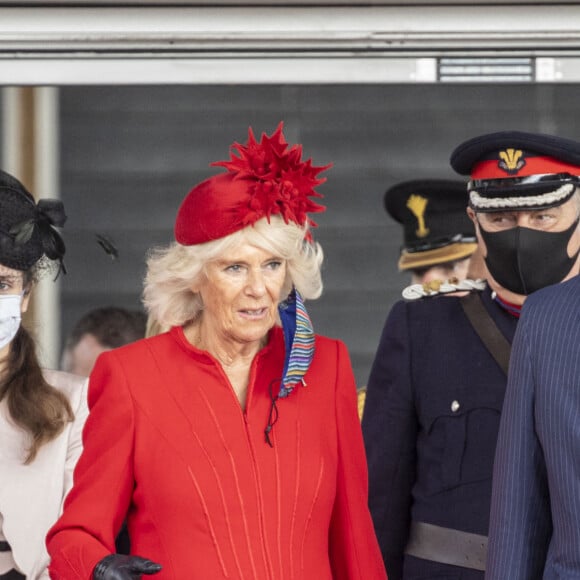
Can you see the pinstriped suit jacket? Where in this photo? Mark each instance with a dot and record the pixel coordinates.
(535, 515)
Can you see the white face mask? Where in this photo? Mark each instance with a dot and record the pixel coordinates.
(9, 317)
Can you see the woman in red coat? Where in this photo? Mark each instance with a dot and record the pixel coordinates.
(230, 443)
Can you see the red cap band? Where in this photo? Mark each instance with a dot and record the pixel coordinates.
(520, 166)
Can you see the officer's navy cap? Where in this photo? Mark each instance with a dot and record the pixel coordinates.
(436, 229)
(513, 170)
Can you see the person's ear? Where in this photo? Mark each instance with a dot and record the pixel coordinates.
(25, 299)
(472, 216)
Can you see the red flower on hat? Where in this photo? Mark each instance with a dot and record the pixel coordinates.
(284, 183)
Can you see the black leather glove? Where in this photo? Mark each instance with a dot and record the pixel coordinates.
(120, 567)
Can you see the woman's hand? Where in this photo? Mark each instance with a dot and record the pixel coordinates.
(119, 567)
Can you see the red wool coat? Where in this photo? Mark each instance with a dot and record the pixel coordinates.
(168, 443)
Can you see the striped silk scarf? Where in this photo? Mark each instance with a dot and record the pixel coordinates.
(299, 341)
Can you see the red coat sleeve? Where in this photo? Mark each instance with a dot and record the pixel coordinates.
(353, 547)
(103, 479)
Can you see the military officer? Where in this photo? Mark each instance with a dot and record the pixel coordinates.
(438, 237)
(437, 383)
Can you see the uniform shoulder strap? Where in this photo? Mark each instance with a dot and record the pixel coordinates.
(495, 342)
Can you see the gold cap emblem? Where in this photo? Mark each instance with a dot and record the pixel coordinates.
(511, 160)
(418, 204)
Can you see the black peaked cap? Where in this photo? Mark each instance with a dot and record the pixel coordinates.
(466, 155)
(436, 219)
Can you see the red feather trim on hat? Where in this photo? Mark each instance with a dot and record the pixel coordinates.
(284, 183)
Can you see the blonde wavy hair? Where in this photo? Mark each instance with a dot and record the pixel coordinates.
(174, 269)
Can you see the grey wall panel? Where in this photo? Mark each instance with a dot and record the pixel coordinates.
(130, 154)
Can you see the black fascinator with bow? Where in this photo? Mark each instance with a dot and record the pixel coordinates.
(27, 228)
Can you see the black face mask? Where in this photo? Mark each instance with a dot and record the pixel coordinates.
(524, 260)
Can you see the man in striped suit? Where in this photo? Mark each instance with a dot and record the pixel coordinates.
(535, 515)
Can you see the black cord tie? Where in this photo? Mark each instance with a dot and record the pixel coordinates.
(273, 415)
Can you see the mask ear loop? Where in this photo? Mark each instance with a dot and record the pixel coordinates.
(273, 414)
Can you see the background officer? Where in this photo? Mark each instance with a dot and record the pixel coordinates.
(437, 384)
(438, 237)
(439, 241)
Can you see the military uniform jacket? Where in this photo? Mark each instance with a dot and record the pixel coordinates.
(431, 421)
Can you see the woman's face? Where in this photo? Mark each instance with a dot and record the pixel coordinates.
(240, 294)
(12, 283)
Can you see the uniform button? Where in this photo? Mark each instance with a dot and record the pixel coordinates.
(455, 406)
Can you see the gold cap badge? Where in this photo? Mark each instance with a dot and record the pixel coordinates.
(418, 204)
(511, 160)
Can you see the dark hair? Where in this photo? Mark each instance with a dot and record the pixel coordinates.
(33, 404)
(110, 325)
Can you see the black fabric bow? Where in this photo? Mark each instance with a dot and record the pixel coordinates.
(52, 210)
(47, 214)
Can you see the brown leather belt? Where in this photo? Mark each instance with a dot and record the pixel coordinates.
(447, 546)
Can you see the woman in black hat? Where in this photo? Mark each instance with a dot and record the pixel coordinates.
(41, 412)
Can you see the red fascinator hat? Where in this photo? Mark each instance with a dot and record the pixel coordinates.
(263, 178)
